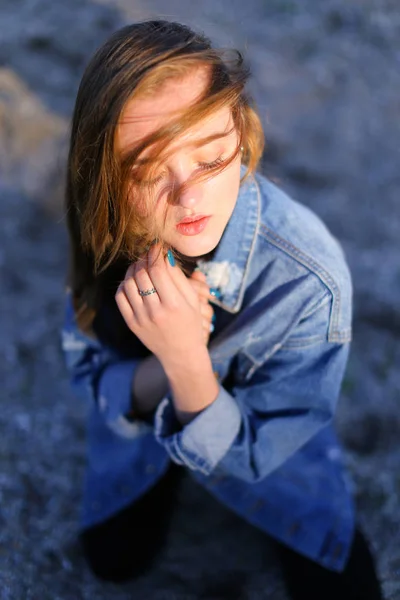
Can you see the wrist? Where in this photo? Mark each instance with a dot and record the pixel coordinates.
(193, 385)
(194, 364)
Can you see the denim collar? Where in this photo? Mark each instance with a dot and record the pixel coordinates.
(227, 270)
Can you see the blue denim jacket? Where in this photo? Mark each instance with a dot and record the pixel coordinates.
(266, 446)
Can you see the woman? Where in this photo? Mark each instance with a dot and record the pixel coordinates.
(208, 318)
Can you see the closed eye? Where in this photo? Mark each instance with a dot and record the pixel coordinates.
(154, 181)
(211, 165)
(204, 166)
(148, 182)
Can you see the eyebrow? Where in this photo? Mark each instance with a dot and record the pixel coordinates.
(211, 138)
(195, 144)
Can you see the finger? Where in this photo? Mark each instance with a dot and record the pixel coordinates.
(206, 311)
(199, 279)
(199, 276)
(131, 288)
(201, 288)
(162, 280)
(206, 325)
(182, 284)
(125, 307)
(208, 328)
(144, 282)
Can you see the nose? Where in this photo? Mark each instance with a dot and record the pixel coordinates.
(190, 194)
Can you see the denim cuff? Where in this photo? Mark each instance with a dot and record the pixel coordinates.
(202, 443)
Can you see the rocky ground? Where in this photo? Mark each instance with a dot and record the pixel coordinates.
(327, 81)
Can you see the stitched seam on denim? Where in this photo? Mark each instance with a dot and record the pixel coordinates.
(246, 251)
(265, 356)
(250, 251)
(196, 461)
(303, 342)
(317, 305)
(251, 372)
(314, 267)
(255, 363)
(191, 461)
(341, 337)
(306, 341)
(177, 450)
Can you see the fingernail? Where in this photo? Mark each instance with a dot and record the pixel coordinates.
(171, 258)
(215, 292)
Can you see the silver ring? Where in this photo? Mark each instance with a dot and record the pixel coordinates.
(147, 292)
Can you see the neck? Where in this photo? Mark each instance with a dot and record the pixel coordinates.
(189, 263)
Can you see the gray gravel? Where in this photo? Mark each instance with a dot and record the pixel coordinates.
(327, 81)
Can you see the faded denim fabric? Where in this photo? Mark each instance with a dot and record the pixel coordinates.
(266, 446)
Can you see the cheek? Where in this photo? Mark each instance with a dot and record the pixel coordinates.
(225, 187)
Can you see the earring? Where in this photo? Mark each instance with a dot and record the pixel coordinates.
(242, 149)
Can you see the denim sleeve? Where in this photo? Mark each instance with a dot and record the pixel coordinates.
(253, 428)
(99, 374)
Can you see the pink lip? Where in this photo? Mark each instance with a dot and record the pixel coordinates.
(191, 219)
(193, 227)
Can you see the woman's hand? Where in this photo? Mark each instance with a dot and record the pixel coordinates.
(169, 322)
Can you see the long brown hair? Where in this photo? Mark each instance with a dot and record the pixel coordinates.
(106, 234)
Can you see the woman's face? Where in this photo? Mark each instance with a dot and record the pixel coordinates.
(214, 197)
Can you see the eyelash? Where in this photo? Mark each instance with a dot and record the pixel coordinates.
(204, 166)
(211, 165)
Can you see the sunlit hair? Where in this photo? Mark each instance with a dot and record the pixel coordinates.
(103, 186)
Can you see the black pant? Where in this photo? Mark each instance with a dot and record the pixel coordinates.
(125, 546)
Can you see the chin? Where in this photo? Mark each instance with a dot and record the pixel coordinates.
(195, 246)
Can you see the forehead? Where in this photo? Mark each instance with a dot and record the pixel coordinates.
(146, 114)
